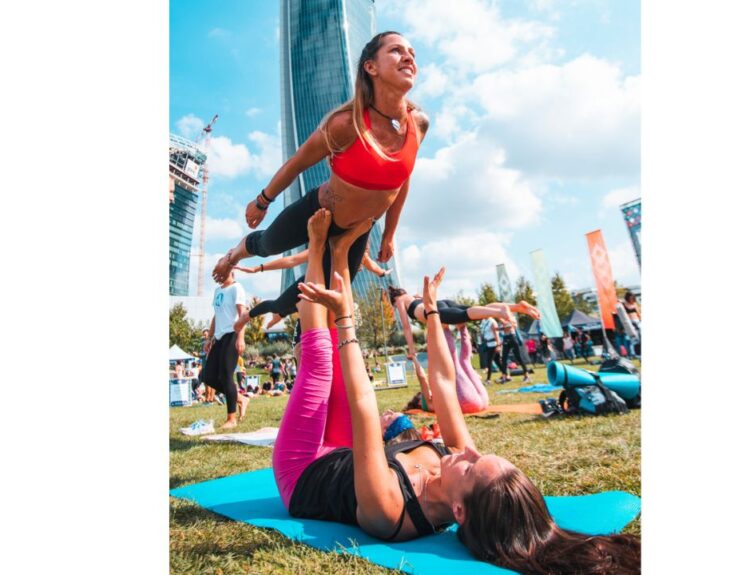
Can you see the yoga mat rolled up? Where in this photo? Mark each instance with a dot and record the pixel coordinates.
(626, 385)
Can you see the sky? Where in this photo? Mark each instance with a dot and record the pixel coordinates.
(534, 133)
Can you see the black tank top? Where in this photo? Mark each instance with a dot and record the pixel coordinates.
(325, 490)
(413, 308)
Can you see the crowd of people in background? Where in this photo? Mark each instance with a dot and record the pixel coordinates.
(281, 373)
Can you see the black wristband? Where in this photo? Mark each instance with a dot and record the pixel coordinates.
(429, 313)
(261, 207)
(265, 197)
(261, 267)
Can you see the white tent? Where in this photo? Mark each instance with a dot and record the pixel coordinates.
(177, 354)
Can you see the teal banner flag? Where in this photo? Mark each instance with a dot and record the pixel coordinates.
(544, 301)
(504, 287)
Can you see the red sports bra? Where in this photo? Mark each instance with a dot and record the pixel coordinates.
(361, 166)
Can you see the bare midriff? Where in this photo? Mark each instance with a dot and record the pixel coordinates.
(350, 204)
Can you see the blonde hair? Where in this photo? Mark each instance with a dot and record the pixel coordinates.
(364, 96)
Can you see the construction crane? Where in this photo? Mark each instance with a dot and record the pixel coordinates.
(202, 246)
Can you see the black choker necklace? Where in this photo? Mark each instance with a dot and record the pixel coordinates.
(394, 122)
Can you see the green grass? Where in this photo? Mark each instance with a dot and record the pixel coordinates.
(564, 456)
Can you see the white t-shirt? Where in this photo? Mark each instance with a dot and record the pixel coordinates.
(488, 327)
(226, 301)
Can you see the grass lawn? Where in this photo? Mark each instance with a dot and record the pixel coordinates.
(563, 456)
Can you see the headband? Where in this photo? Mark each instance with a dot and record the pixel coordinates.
(397, 426)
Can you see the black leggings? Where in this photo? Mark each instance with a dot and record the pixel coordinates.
(451, 312)
(511, 343)
(491, 358)
(219, 370)
(287, 231)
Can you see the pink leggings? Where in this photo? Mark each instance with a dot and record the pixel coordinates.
(472, 395)
(317, 418)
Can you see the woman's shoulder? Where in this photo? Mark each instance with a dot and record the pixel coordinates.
(340, 127)
(421, 119)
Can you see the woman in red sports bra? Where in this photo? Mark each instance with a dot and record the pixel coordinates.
(371, 144)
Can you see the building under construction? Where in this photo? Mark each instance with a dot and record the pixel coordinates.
(186, 161)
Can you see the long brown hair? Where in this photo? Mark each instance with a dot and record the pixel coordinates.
(364, 96)
(508, 524)
(394, 293)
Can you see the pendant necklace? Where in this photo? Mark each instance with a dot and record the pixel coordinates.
(394, 122)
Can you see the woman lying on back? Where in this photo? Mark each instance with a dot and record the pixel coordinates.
(329, 461)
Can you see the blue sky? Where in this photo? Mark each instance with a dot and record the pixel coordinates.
(534, 138)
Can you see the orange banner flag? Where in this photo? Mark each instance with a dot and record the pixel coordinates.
(605, 285)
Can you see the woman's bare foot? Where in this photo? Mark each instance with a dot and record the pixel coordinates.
(505, 316)
(344, 241)
(242, 401)
(275, 318)
(229, 424)
(528, 309)
(317, 228)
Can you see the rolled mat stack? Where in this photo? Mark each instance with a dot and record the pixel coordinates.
(626, 385)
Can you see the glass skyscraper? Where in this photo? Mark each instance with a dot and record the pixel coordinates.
(321, 41)
(185, 161)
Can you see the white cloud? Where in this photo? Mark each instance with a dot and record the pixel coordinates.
(190, 126)
(624, 264)
(227, 159)
(470, 35)
(252, 112)
(469, 259)
(264, 285)
(268, 159)
(432, 82)
(223, 229)
(579, 120)
(616, 198)
(467, 187)
(231, 160)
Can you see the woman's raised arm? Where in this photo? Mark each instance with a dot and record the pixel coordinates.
(442, 373)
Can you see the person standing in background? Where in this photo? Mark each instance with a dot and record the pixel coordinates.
(491, 339)
(226, 347)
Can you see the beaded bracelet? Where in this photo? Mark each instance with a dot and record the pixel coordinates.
(346, 341)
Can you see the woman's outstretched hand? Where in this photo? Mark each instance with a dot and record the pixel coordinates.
(334, 299)
(250, 270)
(429, 292)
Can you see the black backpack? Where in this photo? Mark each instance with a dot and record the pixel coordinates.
(618, 365)
(622, 365)
(595, 399)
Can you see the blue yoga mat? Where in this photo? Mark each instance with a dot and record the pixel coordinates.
(253, 498)
(539, 388)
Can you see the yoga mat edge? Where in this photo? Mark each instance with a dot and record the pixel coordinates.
(252, 498)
